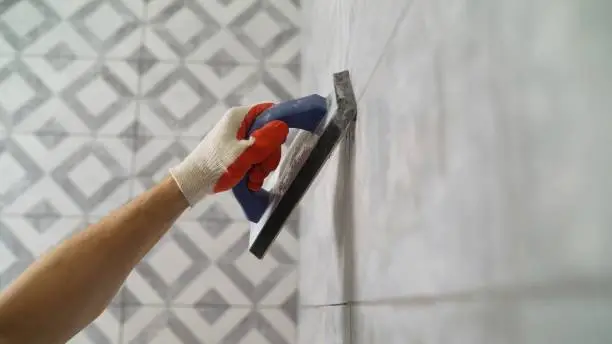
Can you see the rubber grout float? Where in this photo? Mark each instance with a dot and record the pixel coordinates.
(323, 123)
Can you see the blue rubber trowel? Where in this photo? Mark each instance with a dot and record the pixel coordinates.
(323, 123)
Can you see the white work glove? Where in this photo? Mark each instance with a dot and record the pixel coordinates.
(226, 155)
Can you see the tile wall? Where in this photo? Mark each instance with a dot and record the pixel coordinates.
(98, 98)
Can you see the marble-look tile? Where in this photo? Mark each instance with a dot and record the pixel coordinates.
(425, 186)
(326, 246)
(330, 325)
(454, 323)
(555, 125)
(346, 35)
(471, 169)
(570, 320)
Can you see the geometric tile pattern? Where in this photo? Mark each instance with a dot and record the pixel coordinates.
(196, 325)
(197, 264)
(98, 98)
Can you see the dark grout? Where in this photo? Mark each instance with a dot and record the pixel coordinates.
(580, 288)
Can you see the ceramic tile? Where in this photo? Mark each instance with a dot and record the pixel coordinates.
(326, 241)
(206, 325)
(26, 237)
(331, 324)
(68, 175)
(346, 36)
(464, 323)
(78, 28)
(188, 99)
(104, 330)
(428, 142)
(221, 33)
(61, 96)
(556, 188)
(568, 320)
(207, 263)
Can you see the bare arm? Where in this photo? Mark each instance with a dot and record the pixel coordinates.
(70, 286)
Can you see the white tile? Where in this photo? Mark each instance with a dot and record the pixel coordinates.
(105, 329)
(188, 99)
(206, 325)
(52, 168)
(207, 263)
(330, 324)
(63, 96)
(80, 28)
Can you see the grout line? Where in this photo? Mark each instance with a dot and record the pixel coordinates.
(402, 17)
(20, 56)
(594, 288)
(198, 306)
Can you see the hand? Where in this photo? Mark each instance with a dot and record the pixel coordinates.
(226, 155)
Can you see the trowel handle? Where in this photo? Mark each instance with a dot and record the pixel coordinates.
(304, 113)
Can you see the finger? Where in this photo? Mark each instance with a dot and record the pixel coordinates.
(259, 172)
(250, 117)
(266, 140)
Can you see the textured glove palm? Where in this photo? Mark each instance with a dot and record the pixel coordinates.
(226, 154)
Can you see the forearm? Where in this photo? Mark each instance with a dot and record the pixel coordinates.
(71, 285)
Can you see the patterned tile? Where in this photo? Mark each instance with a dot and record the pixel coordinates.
(222, 32)
(84, 28)
(25, 238)
(63, 96)
(207, 325)
(71, 175)
(188, 99)
(207, 263)
(104, 330)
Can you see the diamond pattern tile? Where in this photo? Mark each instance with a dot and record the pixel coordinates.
(98, 98)
(71, 96)
(207, 325)
(76, 176)
(187, 99)
(110, 28)
(190, 266)
(248, 31)
(104, 330)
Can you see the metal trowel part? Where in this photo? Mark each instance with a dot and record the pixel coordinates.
(304, 159)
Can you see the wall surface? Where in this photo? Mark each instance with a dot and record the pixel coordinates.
(471, 201)
(97, 100)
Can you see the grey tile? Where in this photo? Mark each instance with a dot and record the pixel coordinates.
(330, 324)
(244, 31)
(73, 96)
(103, 330)
(431, 217)
(24, 238)
(72, 175)
(196, 325)
(187, 99)
(473, 323)
(346, 36)
(110, 28)
(567, 320)
(326, 241)
(192, 267)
